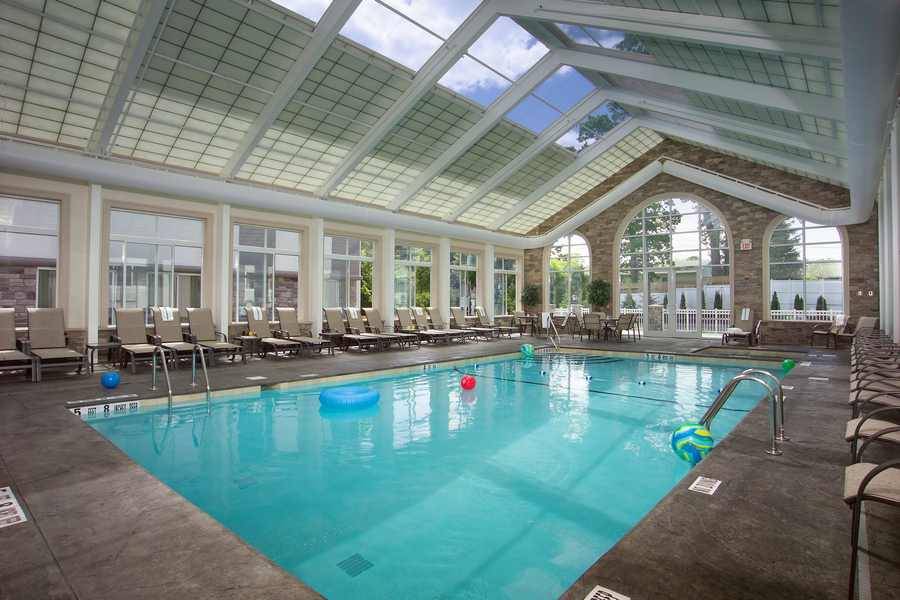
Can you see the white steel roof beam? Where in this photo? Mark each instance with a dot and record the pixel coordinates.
(747, 150)
(138, 43)
(775, 133)
(550, 135)
(778, 38)
(326, 30)
(494, 113)
(790, 100)
(585, 157)
(424, 81)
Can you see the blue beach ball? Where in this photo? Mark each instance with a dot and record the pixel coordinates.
(110, 380)
(691, 442)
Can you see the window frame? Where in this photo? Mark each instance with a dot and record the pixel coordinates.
(328, 255)
(265, 250)
(505, 273)
(409, 263)
(569, 270)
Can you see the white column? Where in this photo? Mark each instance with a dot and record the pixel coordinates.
(315, 251)
(441, 270)
(885, 258)
(385, 302)
(520, 281)
(487, 282)
(95, 283)
(895, 226)
(222, 285)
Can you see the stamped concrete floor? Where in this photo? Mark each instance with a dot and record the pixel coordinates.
(100, 527)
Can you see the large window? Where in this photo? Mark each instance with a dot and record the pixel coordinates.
(154, 260)
(412, 276)
(463, 281)
(266, 267)
(670, 243)
(805, 272)
(504, 286)
(570, 271)
(348, 272)
(29, 243)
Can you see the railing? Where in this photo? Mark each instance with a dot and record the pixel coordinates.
(162, 352)
(775, 425)
(805, 315)
(714, 320)
(200, 349)
(551, 332)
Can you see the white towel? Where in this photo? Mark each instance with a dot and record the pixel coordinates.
(167, 313)
(734, 330)
(545, 320)
(257, 312)
(353, 312)
(745, 314)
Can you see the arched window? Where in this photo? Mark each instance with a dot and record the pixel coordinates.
(676, 251)
(570, 271)
(806, 270)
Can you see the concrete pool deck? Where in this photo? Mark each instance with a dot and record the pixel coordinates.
(100, 527)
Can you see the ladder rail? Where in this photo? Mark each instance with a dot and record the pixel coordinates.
(556, 341)
(779, 432)
(201, 350)
(162, 352)
(725, 394)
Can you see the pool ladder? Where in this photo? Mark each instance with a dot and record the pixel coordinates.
(551, 331)
(775, 396)
(165, 367)
(199, 349)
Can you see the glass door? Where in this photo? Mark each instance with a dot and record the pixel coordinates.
(657, 321)
(687, 303)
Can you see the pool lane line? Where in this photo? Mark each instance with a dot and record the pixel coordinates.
(593, 391)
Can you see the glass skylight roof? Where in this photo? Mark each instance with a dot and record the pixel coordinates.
(440, 16)
(311, 9)
(593, 127)
(508, 48)
(383, 30)
(603, 38)
(564, 89)
(533, 114)
(473, 80)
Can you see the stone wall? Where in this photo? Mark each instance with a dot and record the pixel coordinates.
(18, 289)
(745, 221)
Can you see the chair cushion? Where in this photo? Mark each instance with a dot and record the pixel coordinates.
(278, 342)
(56, 353)
(871, 427)
(13, 356)
(219, 345)
(885, 485)
(139, 348)
(178, 346)
(7, 329)
(46, 328)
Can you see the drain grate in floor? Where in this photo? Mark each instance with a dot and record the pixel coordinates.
(354, 565)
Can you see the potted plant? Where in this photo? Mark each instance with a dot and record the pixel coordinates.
(598, 293)
(531, 296)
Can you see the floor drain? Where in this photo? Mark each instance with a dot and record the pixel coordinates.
(354, 565)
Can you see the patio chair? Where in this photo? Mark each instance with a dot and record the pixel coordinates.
(635, 328)
(375, 326)
(481, 320)
(203, 332)
(593, 325)
(863, 326)
(47, 341)
(11, 358)
(131, 333)
(289, 328)
(621, 326)
(520, 321)
(167, 333)
(258, 322)
(335, 319)
(829, 333)
(459, 317)
(418, 314)
(358, 326)
(408, 325)
(742, 328)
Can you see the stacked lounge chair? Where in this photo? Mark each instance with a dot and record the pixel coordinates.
(11, 358)
(289, 328)
(47, 342)
(131, 333)
(258, 322)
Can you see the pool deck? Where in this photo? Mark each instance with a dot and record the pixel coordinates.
(101, 527)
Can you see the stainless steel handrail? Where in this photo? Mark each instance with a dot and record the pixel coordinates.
(550, 335)
(726, 392)
(199, 348)
(161, 351)
(779, 432)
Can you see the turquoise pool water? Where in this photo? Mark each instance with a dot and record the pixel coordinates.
(508, 492)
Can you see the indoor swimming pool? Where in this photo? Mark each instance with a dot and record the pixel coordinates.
(510, 490)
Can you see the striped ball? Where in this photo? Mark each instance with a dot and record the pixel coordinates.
(691, 442)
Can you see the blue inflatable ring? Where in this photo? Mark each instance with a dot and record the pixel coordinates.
(350, 396)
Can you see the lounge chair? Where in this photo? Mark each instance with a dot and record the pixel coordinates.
(258, 323)
(11, 358)
(421, 317)
(406, 317)
(375, 326)
(167, 333)
(459, 317)
(335, 319)
(593, 325)
(289, 328)
(741, 329)
(829, 333)
(358, 326)
(863, 326)
(47, 341)
(131, 333)
(203, 332)
(481, 320)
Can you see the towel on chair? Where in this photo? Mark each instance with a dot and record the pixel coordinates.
(167, 313)
(745, 314)
(257, 312)
(545, 320)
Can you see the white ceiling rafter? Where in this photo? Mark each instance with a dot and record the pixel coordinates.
(550, 135)
(586, 157)
(143, 30)
(775, 133)
(782, 99)
(757, 36)
(514, 94)
(426, 78)
(707, 136)
(325, 32)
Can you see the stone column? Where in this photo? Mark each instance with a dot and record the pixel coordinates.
(315, 251)
(95, 279)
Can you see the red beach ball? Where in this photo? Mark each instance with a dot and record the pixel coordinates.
(467, 382)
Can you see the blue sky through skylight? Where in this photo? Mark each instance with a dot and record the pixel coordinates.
(592, 36)
(440, 16)
(311, 9)
(384, 31)
(570, 138)
(508, 48)
(564, 89)
(533, 114)
(474, 81)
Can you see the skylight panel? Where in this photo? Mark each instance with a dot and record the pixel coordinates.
(564, 89)
(508, 48)
(473, 80)
(440, 16)
(576, 34)
(593, 127)
(533, 114)
(384, 31)
(311, 9)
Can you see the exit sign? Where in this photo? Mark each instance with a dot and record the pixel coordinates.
(746, 244)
